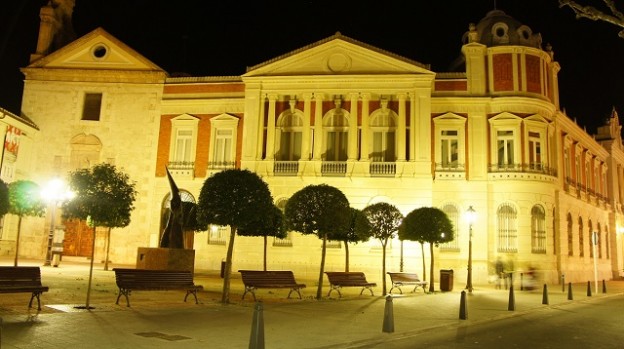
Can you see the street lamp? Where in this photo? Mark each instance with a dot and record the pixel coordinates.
(53, 193)
(471, 215)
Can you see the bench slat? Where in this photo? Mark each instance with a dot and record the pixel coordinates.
(338, 279)
(400, 279)
(154, 280)
(22, 280)
(254, 279)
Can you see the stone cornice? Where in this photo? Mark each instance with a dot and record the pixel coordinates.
(92, 75)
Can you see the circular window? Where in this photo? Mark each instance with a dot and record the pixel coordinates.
(500, 32)
(99, 51)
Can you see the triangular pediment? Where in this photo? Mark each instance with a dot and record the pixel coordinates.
(96, 50)
(338, 55)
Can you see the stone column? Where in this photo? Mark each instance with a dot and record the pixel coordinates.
(400, 140)
(318, 126)
(261, 147)
(353, 128)
(305, 132)
(270, 144)
(365, 135)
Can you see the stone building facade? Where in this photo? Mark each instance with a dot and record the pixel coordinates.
(380, 127)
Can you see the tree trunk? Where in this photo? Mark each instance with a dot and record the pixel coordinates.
(108, 233)
(91, 268)
(422, 251)
(265, 253)
(346, 256)
(431, 288)
(383, 265)
(225, 297)
(319, 289)
(19, 228)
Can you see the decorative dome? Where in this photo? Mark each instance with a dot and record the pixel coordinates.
(498, 29)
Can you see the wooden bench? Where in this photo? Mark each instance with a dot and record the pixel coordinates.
(401, 279)
(338, 279)
(255, 279)
(154, 280)
(22, 279)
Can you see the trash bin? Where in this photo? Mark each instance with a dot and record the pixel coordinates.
(446, 280)
(222, 268)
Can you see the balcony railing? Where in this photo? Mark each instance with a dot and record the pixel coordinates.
(450, 167)
(334, 168)
(181, 165)
(533, 168)
(382, 169)
(221, 165)
(286, 168)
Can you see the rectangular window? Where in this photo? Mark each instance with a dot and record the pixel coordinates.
(535, 151)
(184, 141)
(336, 146)
(92, 107)
(290, 146)
(223, 147)
(217, 235)
(577, 164)
(505, 145)
(567, 165)
(383, 147)
(449, 147)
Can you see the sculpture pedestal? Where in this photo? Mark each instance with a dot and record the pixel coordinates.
(158, 258)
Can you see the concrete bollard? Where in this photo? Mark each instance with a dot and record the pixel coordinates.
(521, 281)
(589, 289)
(512, 300)
(463, 311)
(545, 295)
(570, 297)
(256, 341)
(388, 321)
(604, 286)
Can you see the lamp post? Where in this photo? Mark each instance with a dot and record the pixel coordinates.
(470, 217)
(54, 192)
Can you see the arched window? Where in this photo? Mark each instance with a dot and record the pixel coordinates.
(581, 238)
(570, 238)
(383, 135)
(287, 241)
(453, 214)
(289, 136)
(85, 151)
(336, 132)
(591, 240)
(165, 210)
(599, 245)
(507, 228)
(538, 229)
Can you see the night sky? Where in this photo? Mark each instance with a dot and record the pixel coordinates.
(222, 38)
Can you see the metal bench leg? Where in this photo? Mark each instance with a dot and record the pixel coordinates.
(250, 290)
(126, 293)
(337, 288)
(367, 288)
(35, 294)
(294, 289)
(194, 293)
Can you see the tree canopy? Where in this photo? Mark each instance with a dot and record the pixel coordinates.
(322, 210)
(24, 200)
(272, 225)
(384, 220)
(236, 198)
(4, 198)
(427, 224)
(102, 193)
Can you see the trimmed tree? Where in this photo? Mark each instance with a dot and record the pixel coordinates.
(384, 220)
(236, 198)
(427, 224)
(104, 197)
(272, 225)
(24, 200)
(321, 210)
(352, 234)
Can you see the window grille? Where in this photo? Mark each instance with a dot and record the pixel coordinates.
(538, 229)
(507, 228)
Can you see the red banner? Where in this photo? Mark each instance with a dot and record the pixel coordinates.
(11, 140)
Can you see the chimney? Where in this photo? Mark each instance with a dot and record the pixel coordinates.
(47, 28)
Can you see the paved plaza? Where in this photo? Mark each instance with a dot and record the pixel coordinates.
(161, 319)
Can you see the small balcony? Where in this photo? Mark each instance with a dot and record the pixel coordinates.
(181, 168)
(334, 168)
(382, 169)
(286, 168)
(221, 165)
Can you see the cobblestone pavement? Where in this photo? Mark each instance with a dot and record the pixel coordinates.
(161, 319)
